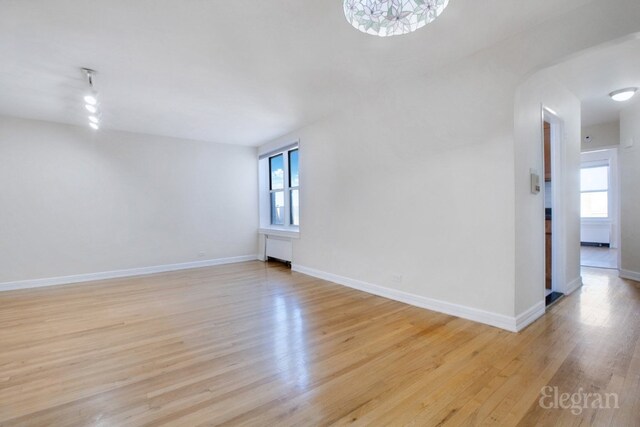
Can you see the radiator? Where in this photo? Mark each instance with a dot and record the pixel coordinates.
(595, 233)
(280, 248)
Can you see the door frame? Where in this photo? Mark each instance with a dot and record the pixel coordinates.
(558, 212)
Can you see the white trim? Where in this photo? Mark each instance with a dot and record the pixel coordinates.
(630, 275)
(530, 316)
(601, 148)
(558, 233)
(488, 318)
(573, 285)
(279, 232)
(131, 272)
(278, 149)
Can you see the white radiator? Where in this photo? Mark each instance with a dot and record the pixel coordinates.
(595, 233)
(280, 248)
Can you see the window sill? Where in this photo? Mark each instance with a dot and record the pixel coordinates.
(596, 220)
(280, 232)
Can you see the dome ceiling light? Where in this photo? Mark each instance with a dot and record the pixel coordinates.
(623, 94)
(392, 17)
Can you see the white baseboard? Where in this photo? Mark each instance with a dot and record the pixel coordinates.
(91, 277)
(574, 285)
(488, 318)
(631, 275)
(531, 315)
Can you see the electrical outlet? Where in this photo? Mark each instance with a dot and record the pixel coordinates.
(396, 278)
(200, 254)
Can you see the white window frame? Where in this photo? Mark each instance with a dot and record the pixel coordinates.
(264, 170)
(289, 189)
(283, 190)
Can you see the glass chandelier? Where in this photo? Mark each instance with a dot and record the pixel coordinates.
(392, 17)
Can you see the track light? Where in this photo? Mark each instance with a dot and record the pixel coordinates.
(91, 100)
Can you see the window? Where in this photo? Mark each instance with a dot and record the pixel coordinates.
(281, 178)
(594, 188)
(294, 188)
(276, 187)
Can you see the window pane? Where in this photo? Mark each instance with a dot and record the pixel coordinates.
(277, 208)
(594, 179)
(276, 168)
(594, 205)
(295, 207)
(293, 168)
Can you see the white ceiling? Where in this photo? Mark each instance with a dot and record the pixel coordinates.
(592, 76)
(241, 72)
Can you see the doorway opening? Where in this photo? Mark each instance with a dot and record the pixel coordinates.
(599, 209)
(552, 207)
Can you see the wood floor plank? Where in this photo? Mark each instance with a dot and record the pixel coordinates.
(257, 344)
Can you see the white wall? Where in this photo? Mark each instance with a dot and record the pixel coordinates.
(602, 135)
(417, 178)
(629, 165)
(76, 202)
(406, 184)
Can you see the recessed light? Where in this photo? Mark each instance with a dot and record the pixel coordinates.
(91, 100)
(91, 108)
(94, 126)
(623, 94)
(93, 119)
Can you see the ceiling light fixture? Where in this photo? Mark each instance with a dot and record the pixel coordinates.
(392, 17)
(623, 94)
(91, 99)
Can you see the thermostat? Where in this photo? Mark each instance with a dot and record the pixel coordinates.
(535, 182)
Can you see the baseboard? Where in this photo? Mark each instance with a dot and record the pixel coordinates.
(574, 285)
(630, 275)
(142, 271)
(469, 313)
(531, 315)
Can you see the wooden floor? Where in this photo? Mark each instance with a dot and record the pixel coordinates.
(251, 344)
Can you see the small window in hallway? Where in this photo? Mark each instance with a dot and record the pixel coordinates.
(594, 187)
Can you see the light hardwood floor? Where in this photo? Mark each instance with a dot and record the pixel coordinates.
(251, 344)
